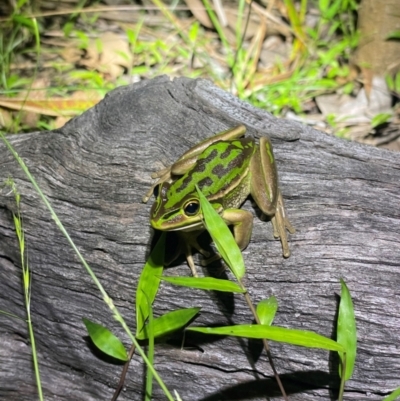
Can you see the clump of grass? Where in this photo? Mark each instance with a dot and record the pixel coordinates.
(178, 46)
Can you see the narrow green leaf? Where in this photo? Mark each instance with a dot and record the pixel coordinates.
(333, 10)
(346, 330)
(222, 237)
(178, 398)
(169, 322)
(194, 32)
(389, 82)
(291, 336)
(397, 82)
(393, 395)
(149, 282)
(380, 119)
(205, 283)
(266, 310)
(25, 21)
(105, 341)
(393, 35)
(323, 6)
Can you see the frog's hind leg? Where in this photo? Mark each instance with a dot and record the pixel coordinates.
(280, 224)
(265, 191)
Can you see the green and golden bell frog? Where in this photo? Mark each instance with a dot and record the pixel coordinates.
(227, 168)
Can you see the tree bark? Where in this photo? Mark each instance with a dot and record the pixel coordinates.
(377, 20)
(343, 199)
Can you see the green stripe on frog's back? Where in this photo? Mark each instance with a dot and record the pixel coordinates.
(219, 168)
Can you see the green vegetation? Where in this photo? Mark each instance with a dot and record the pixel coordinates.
(309, 56)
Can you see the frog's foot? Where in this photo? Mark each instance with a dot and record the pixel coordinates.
(217, 271)
(188, 241)
(214, 258)
(162, 175)
(189, 259)
(281, 224)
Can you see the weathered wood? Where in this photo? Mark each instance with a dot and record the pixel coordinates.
(343, 198)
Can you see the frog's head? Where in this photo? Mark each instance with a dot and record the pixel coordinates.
(172, 212)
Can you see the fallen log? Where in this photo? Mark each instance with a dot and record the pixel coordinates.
(343, 199)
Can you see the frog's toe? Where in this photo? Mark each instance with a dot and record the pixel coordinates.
(209, 260)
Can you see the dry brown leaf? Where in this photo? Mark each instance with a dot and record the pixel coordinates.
(359, 109)
(367, 81)
(37, 90)
(252, 27)
(200, 13)
(5, 118)
(50, 106)
(71, 54)
(60, 121)
(108, 54)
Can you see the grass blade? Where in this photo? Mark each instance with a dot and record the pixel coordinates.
(205, 283)
(290, 336)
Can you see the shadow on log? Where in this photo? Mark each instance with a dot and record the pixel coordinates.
(343, 198)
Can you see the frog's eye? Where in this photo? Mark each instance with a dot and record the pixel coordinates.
(191, 208)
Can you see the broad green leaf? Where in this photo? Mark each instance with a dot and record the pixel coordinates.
(205, 283)
(169, 322)
(105, 341)
(266, 310)
(149, 282)
(393, 395)
(222, 237)
(291, 336)
(346, 330)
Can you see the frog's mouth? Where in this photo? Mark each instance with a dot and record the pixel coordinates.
(177, 223)
(186, 227)
(191, 227)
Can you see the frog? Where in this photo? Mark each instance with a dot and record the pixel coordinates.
(227, 167)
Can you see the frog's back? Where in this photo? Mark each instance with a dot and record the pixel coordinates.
(221, 172)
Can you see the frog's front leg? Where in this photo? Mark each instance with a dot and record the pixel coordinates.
(242, 224)
(187, 241)
(265, 191)
(180, 167)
